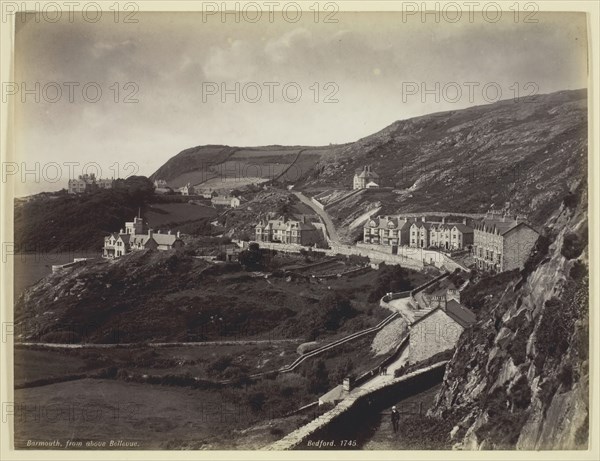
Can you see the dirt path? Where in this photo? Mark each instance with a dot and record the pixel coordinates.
(175, 344)
(382, 436)
(404, 307)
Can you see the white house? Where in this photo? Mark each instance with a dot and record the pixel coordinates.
(366, 176)
(225, 200)
(135, 237)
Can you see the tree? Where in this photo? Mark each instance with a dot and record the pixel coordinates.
(335, 308)
(251, 258)
(343, 370)
(318, 378)
(391, 279)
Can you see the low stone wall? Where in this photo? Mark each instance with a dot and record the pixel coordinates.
(360, 270)
(411, 258)
(348, 413)
(402, 294)
(316, 202)
(76, 262)
(374, 254)
(428, 284)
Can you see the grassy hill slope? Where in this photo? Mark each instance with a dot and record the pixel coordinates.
(524, 154)
(63, 222)
(225, 166)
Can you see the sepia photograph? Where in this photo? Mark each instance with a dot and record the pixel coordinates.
(310, 226)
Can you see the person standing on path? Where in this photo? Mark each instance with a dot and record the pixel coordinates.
(395, 419)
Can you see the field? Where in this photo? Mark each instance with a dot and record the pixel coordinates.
(170, 412)
(173, 214)
(219, 183)
(146, 416)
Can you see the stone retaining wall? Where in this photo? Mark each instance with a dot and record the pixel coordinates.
(348, 411)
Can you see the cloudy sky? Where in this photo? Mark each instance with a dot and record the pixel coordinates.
(356, 76)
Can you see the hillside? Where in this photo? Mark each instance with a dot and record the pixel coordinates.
(62, 222)
(523, 155)
(174, 296)
(520, 377)
(223, 167)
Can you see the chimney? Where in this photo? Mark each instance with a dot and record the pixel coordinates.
(464, 221)
(422, 218)
(178, 234)
(443, 220)
(150, 233)
(169, 232)
(348, 383)
(158, 231)
(122, 231)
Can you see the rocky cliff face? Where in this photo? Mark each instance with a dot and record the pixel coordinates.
(519, 378)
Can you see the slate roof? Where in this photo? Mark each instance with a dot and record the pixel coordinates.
(426, 225)
(495, 225)
(462, 227)
(460, 314)
(368, 175)
(164, 239)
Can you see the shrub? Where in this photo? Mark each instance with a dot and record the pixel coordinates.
(573, 245)
(257, 400)
(520, 393)
(335, 309)
(318, 377)
(61, 337)
(221, 363)
(578, 271)
(276, 431)
(390, 278)
(565, 377)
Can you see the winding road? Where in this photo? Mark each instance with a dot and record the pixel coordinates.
(325, 219)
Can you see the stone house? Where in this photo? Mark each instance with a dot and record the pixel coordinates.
(88, 183)
(438, 330)
(288, 231)
(450, 236)
(501, 243)
(387, 230)
(419, 234)
(366, 176)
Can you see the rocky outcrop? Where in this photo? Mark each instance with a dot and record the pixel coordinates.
(521, 374)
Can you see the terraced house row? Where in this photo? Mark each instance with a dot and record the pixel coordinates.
(497, 242)
(417, 233)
